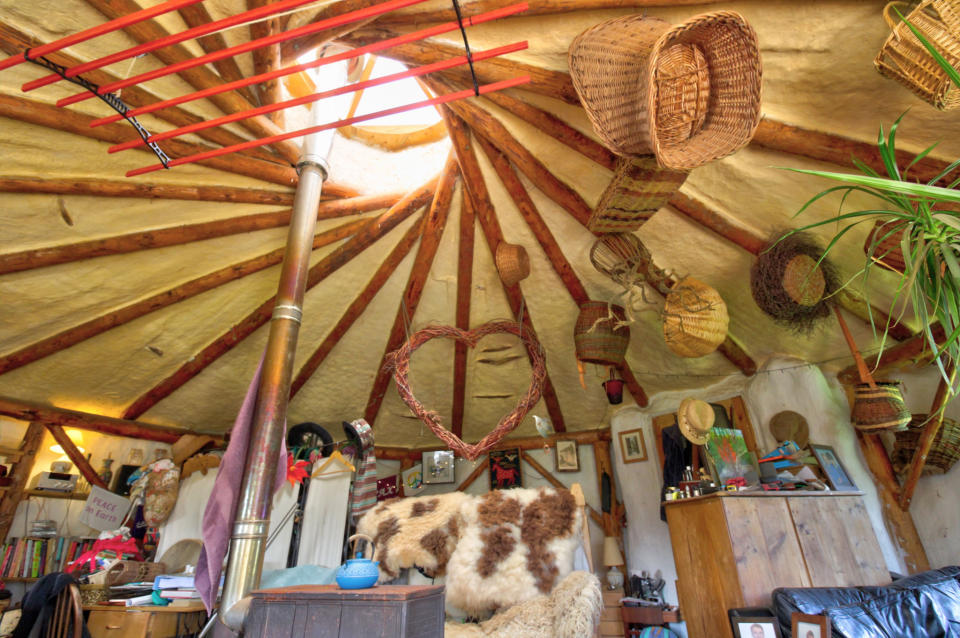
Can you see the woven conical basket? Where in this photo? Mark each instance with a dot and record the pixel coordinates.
(695, 319)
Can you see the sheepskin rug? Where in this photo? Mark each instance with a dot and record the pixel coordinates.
(571, 611)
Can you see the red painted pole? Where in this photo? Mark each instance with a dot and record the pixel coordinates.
(329, 23)
(175, 38)
(308, 99)
(352, 53)
(440, 99)
(93, 32)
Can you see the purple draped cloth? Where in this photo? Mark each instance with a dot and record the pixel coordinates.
(221, 511)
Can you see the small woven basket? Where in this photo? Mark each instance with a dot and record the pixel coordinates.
(879, 408)
(904, 58)
(883, 245)
(93, 594)
(597, 336)
(639, 188)
(133, 571)
(943, 453)
(620, 256)
(688, 93)
(513, 263)
(695, 319)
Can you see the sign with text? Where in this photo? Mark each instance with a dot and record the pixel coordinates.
(104, 510)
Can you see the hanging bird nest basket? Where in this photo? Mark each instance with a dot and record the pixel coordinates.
(688, 94)
(639, 188)
(943, 453)
(789, 285)
(695, 319)
(622, 257)
(513, 263)
(904, 58)
(601, 335)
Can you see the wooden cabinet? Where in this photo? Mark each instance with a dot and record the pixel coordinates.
(611, 622)
(145, 622)
(733, 550)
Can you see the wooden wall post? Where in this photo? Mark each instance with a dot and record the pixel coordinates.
(21, 472)
(611, 522)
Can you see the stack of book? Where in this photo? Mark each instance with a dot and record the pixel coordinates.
(132, 594)
(176, 587)
(31, 557)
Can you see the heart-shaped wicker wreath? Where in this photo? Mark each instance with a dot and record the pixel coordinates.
(400, 360)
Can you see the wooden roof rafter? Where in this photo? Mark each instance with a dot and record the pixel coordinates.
(293, 49)
(266, 59)
(464, 292)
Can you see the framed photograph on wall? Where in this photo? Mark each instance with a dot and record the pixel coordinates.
(632, 446)
(505, 469)
(568, 456)
(830, 463)
(806, 626)
(438, 467)
(755, 627)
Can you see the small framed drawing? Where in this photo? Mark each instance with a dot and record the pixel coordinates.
(632, 446)
(568, 457)
(833, 468)
(806, 626)
(438, 467)
(755, 627)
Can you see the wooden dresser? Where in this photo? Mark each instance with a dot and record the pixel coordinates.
(732, 550)
(611, 623)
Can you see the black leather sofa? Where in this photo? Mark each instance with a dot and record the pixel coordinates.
(925, 605)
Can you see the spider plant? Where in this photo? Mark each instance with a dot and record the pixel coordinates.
(930, 240)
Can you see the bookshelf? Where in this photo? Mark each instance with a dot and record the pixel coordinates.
(74, 496)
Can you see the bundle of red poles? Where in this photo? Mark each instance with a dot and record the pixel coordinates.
(245, 17)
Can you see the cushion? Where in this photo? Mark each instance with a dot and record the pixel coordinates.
(904, 613)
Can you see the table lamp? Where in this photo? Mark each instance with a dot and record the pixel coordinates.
(613, 559)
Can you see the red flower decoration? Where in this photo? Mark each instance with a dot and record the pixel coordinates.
(296, 470)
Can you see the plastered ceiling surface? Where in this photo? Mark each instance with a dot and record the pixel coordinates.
(818, 74)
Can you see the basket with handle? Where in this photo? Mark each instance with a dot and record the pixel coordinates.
(601, 335)
(877, 405)
(943, 453)
(904, 58)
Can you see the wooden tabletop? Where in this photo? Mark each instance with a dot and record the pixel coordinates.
(193, 607)
(764, 494)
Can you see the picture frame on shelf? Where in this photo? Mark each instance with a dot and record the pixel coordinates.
(833, 468)
(567, 456)
(755, 627)
(438, 467)
(633, 448)
(808, 626)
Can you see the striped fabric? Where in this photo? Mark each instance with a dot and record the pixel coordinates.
(365, 484)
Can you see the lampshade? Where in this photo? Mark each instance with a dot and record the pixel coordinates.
(74, 435)
(611, 552)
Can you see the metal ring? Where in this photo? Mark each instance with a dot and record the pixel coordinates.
(286, 311)
(318, 162)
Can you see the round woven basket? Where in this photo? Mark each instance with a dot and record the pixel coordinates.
(688, 94)
(596, 337)
(944, 451)
(695, 319)
(879, 408)
(513, 264)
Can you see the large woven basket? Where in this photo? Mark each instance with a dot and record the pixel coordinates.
(904, 58)
(597, 336)
(639, 188)
(943, 453)
(879, 408)
(689, 94)
(695, 319)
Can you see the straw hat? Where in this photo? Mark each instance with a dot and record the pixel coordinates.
(790, 426)
(695, 418)
(688, 94)
(512, 261)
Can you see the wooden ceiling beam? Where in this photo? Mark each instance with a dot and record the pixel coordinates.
(200, 77)
(183, 234)
(293, 49)
(13, 41)
(550, 246)
(353, 312)
(913, 352)
(372, 230)
(464, 292)
(50, 116)
(75, 455)
(476, 187)
(266, 59)
(195, 15)
(74, 335)
(433, 227)
(555, 84)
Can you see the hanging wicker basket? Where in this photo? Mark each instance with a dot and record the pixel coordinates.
(688, 93)
(904, 58)
(597, 335)
(513, 263)
(695, 319)
(639, 188)
(622, 257)
(943, 453)
(883, 245)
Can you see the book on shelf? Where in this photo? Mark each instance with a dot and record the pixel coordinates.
(32, 557)
(173, 581)
(179, 593)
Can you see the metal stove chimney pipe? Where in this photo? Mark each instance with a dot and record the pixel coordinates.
(248, 542)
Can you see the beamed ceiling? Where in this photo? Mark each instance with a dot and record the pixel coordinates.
(148, 298)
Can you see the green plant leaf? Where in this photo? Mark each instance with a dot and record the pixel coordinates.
(948, 69)
(888, 185)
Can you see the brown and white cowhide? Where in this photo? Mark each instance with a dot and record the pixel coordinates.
(415, 532)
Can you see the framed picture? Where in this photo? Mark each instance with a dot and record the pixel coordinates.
(806, 626)
(505, 469)
(568, 456)
(832, 467)
(755, 627)
(632, 447)
(438, 467)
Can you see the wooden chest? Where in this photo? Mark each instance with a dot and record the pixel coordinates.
(326, 611)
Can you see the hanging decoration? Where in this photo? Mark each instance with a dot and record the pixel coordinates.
(639, 188)
(400, 361)
(695, 319)
(513, 263)
(601, 334)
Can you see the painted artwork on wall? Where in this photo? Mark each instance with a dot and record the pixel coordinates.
(438, 467)
(632, 446)
(505, 469)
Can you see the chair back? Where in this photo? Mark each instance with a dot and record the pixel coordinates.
(66, 619)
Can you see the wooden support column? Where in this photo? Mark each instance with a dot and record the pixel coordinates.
(914, 352)
(464, 292)
(929, 434)
(10, 499)
(75, 455)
